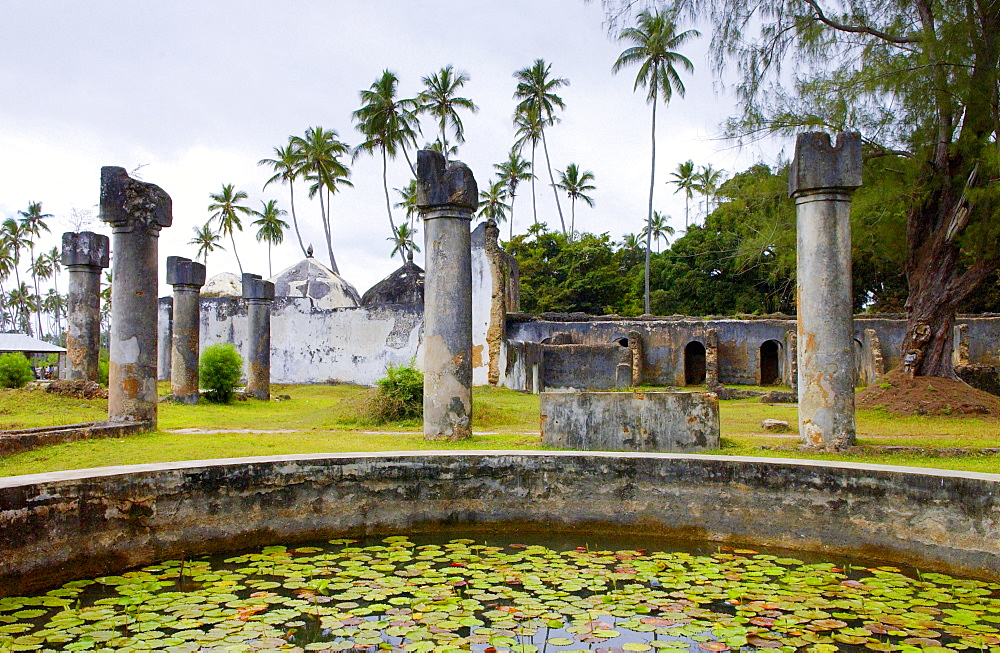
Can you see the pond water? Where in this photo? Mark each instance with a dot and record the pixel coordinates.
(412, 594)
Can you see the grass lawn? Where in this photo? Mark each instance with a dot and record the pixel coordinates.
(323, 418)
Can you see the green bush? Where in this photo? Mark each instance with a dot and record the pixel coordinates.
(103, 367)
(220, 371)
(15, 370)
(399, 396)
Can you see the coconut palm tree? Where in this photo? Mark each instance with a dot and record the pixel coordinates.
(528, 129)
(709, 180)
(271, 227)
(403, 242)
(388, 125)
(491, 201)
(33, 222)
(23, 302)
(206, 240)
(439, 99)
(227, 210)
(512, 172)
(40, 269)
(661, 229)
(654, 41)
(536, 94)
(576, 185)
(686, 179)
(287, 167)
(55, 304)
(16, 238)
(321, 151)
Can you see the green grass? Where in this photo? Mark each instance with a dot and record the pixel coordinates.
(324, 419)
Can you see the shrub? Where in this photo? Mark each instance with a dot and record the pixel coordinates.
(220, 371)
(399, 396)
(15, 370)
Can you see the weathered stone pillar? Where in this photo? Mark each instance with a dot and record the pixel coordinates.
(84, 254)
(636, 349)
(447, 195)
(712, 360)
(258, 294)
(821, 180)
(793, 360)
(187, 277)
(136, 212)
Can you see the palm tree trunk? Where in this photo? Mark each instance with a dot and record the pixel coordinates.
(326, 232)
(232, 239)
(385, 187)
(572, 219)
(406, 155)
(649, 217)
(38, 298)
(552, 180)
(687, 198)
(512, 196)
(295, 222)
(534, 194)
(270, 271)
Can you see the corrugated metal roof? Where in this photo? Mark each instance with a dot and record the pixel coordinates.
(22, 342)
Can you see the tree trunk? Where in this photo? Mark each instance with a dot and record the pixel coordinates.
(232, 239)
(649, 217)
(552, 180)
(295, 222)
(326, 230)
(534, 195)
(385, 187)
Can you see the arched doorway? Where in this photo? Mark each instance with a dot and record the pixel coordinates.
(770, 366)
(694, 363)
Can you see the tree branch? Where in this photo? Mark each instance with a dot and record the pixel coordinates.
(863, 29)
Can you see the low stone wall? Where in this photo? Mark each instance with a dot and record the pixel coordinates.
(12, 442)
(72, 524)
(663, 422)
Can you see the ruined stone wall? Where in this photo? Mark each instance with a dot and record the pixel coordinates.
(739, 344)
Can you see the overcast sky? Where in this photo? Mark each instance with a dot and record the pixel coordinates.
(196, 92)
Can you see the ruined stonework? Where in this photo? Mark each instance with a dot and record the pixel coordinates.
(84, 255)
(258, 295)
(821, 181)
(712, 359)
(447, 196)
(136, 211)
(635, 348)
(187, 277)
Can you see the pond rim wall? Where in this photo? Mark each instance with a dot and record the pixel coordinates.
(64, 525)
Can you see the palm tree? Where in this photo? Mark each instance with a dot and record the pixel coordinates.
(661, 229)
(54, 258)
(22, 301)
(206, 240)
(6, 265)
(512, 172)
(40, 269)
(287, 167)
(576, 185)
(272, 227)
(389, 125)
(654, 42)
(321, 151)
(709, 180)
(403, 242)
(686, 179)
(16, 238)
(491, 202)
(408, 200)
(55, 303)
(528, 129)
(536, 95)
(440, 100)
(33, 222)
(227, 209)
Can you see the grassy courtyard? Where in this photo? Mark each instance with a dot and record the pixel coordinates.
(324, 418)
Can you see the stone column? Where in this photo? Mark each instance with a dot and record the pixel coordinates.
(712, 360)
(136, 212)
(187, 277)
(447, 196)
(821, 180)
(84, 254)
(258, 294)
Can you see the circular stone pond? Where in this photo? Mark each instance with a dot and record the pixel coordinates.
(74, 525)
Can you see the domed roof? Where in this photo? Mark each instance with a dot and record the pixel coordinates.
(224, 284)
(310, 278)
(404, 286)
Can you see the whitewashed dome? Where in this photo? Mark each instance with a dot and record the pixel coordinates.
(310, 278)
(224, 284)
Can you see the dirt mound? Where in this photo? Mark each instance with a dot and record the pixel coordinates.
(899, 394)
(77, 388)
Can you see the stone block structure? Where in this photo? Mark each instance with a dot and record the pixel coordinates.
(258, 295)
(663, 422)
(822, 179)
(187, 277)
(84, 254)
(447, 196)
(136, 211)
